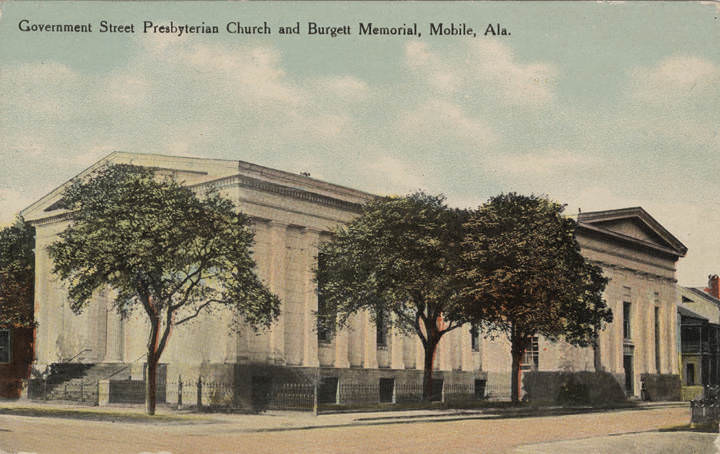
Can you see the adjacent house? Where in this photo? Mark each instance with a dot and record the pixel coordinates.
(292, 214)
(16, 354)
(699, 319)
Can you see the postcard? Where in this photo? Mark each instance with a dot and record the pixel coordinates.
(302, 114)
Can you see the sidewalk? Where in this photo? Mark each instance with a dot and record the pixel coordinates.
(285, 420)
(655, 442)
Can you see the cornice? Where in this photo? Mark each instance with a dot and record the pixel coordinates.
(629, 257)
(605, 264)
(285, 191)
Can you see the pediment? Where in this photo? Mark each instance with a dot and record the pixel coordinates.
(634, 228)
(632, 225)
(186, 170)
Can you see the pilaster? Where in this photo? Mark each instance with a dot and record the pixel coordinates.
(342, 342)
(114, 333)
(397, 347)
(276, 280)
(311, 241)
(370, 359)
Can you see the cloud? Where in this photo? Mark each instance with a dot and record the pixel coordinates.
(485, 67)
(12, 202)
(396, 175)
(714, 3)
(546, 162)
(129, 90)
(437, 119)
(43, 89)
(346, 88)
(673, 78)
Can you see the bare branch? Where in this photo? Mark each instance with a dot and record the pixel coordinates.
(197, 312)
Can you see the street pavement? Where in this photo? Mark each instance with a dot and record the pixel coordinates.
(420, 431)
(647, 442)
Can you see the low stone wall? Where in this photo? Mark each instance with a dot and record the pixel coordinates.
(688, 393)
(573, 388)
(123, 392)
(661, 387)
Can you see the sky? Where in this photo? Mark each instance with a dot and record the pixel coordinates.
(597, 105)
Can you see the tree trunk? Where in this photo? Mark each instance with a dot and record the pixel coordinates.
(518, 345)
(430, 348)
(151, 372)
(151, 384)
(597, 362)
(516, 376)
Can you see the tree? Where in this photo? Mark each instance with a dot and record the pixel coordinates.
(17, 274)
(160, 247)
(398, 260)
(526, 276)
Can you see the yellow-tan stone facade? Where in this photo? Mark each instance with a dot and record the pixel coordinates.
(292, 214)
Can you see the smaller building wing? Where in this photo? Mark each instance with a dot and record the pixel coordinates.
(634, 226)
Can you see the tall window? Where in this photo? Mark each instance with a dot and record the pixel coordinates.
(4, 346)
(325, 320)
(657, 339)
(531, 356)
(626, 320)
(475, 337)
(381, 328)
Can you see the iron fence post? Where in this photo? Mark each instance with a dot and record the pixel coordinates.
(199, 393)
(315, 392)
(180, 393)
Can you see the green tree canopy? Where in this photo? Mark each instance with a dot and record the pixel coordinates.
(17, 274)
(526, 275)
(399, 260)
(161, 247)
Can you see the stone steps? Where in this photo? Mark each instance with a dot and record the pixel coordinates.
(78, 382)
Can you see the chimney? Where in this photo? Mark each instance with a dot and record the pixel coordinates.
(713, 286)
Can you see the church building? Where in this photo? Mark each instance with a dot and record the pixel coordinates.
(292, 214)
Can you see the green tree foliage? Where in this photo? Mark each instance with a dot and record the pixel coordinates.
(17, 274)
(527, 277)
(399, 261)
(162, 248)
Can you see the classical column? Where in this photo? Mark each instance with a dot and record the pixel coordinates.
(466, 353)
(397, 347)
(311, 240)
(370, 360)
(276, 280)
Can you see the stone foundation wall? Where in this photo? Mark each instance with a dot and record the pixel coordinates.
(574, 387)
(660, 387)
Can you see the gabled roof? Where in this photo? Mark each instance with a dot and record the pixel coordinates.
(688, 313)
(699, 304)
(695, 293)
(632, 226)
(201, 171)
